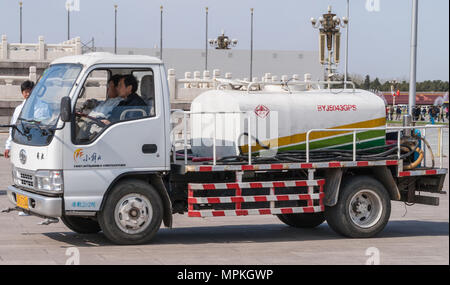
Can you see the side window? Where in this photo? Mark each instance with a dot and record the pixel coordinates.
(88, 112)
(109, 97)
(146, 89)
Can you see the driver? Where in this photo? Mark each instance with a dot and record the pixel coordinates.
(103, 110)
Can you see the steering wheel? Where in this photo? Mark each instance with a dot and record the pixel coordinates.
(95, 120)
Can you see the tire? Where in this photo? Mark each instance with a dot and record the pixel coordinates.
(132, 213)
(363, 208)
(81, 225)
(307, 220)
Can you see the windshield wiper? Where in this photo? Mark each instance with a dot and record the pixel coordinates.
(14, 127)
(36, 123)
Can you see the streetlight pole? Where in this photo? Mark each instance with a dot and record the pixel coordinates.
(115, 29)
(68, 21)
(412, 77)
(161, 34)
(206, 41)
(251, 46)
(20, 8)
(346, 47)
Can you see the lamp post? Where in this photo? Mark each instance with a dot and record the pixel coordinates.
(115, 29)
(251, 45)
(346, 43)
(412, 76)
(206, 39)
(161, 33)
(329, 26)
(20, 9)
(68, 20)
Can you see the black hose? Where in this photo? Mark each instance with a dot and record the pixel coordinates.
(322, 155)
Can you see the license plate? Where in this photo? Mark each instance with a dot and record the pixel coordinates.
(22, 201)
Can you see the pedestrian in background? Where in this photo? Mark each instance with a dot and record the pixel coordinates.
(398, 113)
(26, 88)
(391, 112)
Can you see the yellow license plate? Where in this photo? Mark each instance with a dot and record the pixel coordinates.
(22, 201)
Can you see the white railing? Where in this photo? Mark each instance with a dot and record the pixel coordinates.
(398, 129)
(39, 51)
(185, 141)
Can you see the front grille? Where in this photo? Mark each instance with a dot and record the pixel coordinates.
(26, 179)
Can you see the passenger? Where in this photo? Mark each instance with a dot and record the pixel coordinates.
(127, 88)
(104, 109)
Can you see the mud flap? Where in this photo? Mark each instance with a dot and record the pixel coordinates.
(384, 175)
(333, 179)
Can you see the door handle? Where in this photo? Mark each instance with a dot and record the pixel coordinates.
(149, 148)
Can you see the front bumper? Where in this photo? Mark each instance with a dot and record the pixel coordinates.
(38, 204)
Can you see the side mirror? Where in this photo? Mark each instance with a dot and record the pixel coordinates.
(66, 109)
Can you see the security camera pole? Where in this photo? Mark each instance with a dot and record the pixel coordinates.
(329, 26)
(223, 42)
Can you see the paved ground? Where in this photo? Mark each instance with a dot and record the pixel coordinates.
(414, 235)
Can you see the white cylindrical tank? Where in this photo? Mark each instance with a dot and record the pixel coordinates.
(280, 120)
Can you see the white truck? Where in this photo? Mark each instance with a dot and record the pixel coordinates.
(127, 177)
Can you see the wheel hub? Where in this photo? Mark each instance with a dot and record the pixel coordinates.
(365, 208)
(133, 213)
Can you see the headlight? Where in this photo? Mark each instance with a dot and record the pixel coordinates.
(15, 176)
(49, 181)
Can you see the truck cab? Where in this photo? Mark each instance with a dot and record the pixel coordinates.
(65, 159)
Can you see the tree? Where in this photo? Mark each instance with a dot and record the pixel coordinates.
(375, 85)
(366, 85)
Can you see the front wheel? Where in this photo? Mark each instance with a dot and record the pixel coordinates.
(363, 208)
(132, 213)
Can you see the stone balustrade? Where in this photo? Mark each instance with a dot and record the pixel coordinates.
(40, 51)
(193, 84)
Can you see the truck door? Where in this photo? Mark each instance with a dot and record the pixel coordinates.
(95, 154)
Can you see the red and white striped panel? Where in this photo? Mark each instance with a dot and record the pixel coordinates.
(238, 199)
(269, 211)
(284, 166)
(422, 172)
(264, 184)
(246, 199)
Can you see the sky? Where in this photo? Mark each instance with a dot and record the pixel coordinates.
(379, 34)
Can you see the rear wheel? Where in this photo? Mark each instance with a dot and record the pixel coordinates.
(363, 208)
(81, 225)
(132, 213)
(306, 220)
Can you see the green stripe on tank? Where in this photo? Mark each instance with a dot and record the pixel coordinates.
(341, 140)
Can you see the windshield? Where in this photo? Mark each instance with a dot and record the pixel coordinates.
(44, 102)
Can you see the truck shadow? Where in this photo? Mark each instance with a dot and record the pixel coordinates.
(254, 234)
